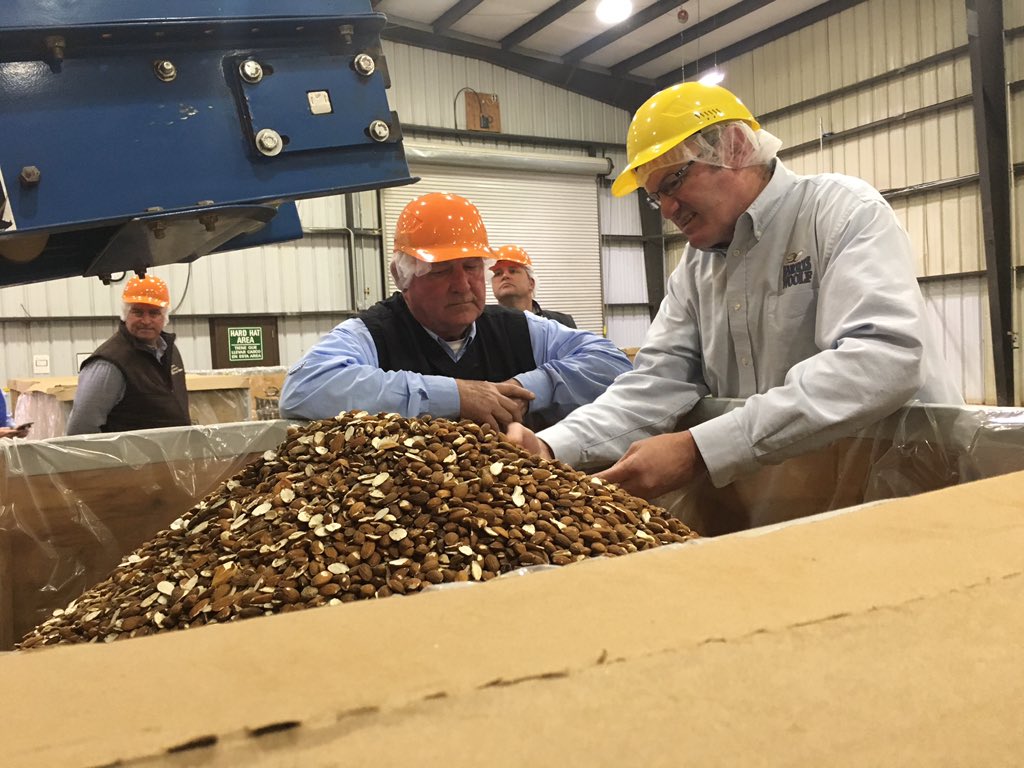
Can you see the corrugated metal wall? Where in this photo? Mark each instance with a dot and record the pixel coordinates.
(426, 92)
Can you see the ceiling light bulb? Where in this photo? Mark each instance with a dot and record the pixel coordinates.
(714, 77)
(613, 11)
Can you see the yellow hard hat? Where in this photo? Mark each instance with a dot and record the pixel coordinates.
(670, 117)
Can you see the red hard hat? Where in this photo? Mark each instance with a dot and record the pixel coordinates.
(442, 227)
(147, 290)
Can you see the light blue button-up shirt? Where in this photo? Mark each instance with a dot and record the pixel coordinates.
(342, 373)
(813, 313)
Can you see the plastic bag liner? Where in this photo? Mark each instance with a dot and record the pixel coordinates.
(72, 507)
(919, 448)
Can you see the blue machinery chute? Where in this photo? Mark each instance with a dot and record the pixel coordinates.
(131, 138)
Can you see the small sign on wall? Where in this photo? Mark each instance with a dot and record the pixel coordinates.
(244, 342)
(40, 363)
(245, 345)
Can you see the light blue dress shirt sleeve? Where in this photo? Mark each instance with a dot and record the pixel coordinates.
(101, 386)
(341, 373)
(573, 367)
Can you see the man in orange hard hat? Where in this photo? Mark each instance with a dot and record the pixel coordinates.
(513, 284)
(797, 293)
(434, 348)
(135, 379)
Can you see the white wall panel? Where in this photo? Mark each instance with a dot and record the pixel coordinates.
(627, 326)
(959, 311)
(619, 215)
(426, 83)
(625, 278)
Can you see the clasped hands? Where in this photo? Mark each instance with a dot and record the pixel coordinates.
(499, 404)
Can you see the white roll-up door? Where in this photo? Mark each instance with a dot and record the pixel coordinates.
(553, 216)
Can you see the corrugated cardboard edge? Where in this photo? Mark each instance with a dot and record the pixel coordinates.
(372, 660)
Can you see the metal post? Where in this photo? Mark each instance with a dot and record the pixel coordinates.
(988, 78)
(654, 254)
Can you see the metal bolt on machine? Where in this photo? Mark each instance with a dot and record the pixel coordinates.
(142, 134)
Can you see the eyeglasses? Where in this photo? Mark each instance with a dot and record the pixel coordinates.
(669, 186)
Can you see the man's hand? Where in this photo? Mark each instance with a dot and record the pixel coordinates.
(21, 431)
(528, 439)
(524, 404)
(496, 404)
(657, 465)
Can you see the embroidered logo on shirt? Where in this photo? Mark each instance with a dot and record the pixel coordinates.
(175, 370)
(796, 270)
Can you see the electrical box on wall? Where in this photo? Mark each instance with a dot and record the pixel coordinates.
(244, 342)
(483, 113)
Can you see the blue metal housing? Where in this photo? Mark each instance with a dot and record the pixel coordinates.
(131, 138)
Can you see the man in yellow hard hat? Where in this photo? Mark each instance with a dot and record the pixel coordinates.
(434, 348)
(513, 284)
(135, 379)
(795, 292)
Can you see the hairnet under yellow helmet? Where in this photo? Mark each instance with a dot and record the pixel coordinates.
(670, 117)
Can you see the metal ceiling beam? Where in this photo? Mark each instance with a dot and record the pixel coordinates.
(764, 37)
(986, 48)
(669, 44)
(453, 14)
(626, 93)
(637, 20)
(538, 22)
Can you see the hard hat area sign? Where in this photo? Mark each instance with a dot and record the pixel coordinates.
(245, 344)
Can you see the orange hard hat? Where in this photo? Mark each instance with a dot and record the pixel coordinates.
(513, 253)
(442, 227)
(147, 290)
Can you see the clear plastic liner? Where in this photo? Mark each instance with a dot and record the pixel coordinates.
(72, 507)
(919, 448)
(215, 397)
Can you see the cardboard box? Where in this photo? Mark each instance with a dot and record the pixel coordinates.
(884, 635)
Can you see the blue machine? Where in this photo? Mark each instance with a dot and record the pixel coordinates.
(135, 133)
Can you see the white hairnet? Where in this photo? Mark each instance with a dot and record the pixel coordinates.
(731, 144)
(127, 305)
(405, 267)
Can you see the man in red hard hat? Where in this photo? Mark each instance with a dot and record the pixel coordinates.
(434, 348)
(135, 379)
(513, 284)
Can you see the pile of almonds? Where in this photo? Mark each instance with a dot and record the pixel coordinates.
(360, 507)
